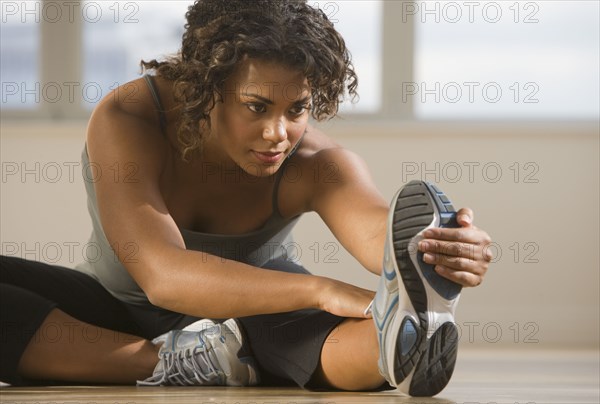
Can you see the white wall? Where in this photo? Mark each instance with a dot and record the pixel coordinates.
(551, 302)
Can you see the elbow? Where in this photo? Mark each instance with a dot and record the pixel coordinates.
(154, 286)
(158, 293)
(152, 276)
(168, 285)
(162, 291)
(172, 301)
(156, 298)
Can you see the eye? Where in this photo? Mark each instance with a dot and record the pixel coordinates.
(256, 107)
(300, 109)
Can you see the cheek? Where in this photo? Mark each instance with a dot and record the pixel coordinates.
(233, 131)
(296, 131)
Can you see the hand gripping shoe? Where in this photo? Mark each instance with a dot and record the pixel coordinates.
(413, 309)
(203, 354)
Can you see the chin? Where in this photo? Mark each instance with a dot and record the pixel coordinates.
(260, 170)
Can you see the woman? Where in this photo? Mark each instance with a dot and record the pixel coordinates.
(216, 162)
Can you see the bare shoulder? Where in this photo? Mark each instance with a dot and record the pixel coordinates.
(124, 126)
(132, 98)
(319, 167)
(326, 159)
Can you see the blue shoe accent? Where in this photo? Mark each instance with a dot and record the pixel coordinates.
(408, 336)
(446, 288)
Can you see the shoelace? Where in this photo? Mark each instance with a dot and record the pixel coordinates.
(182, 368)
(177, 365)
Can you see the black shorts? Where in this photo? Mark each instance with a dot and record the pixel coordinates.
(286, 346)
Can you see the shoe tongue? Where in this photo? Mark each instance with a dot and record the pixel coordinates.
(200, 325)
(188, 339)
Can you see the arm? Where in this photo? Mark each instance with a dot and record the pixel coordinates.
(357, 215)
(351, 206)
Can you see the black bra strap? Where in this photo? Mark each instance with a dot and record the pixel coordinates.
(162, 119)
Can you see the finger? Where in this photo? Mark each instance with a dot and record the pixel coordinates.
(464, 217)
(488, 255)
(463, 278)
(453, 248)
(455, 263)
(464, 234)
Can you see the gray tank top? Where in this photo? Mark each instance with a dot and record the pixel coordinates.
(273, 240)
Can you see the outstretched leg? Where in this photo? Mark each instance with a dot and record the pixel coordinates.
(349, 357)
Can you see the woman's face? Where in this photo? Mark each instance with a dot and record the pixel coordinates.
(263, 115)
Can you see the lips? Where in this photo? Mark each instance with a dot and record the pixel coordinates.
(269, 157)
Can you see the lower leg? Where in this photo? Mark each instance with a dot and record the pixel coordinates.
(349, 357)
(66, 349)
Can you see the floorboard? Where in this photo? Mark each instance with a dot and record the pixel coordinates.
(481, 376)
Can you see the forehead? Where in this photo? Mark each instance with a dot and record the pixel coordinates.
(267, 79)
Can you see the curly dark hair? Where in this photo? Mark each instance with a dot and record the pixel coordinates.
(219, 34)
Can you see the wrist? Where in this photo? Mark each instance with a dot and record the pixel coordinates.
(319, 287)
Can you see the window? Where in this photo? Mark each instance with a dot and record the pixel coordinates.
(505, 59)
(117, 35)
(20, 64)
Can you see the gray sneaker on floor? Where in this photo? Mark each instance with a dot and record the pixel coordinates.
(205, 356)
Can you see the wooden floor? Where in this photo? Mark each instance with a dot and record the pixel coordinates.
(498, 376)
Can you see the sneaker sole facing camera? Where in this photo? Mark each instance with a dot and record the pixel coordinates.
(414, 307)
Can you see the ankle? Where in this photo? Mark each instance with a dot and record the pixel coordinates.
(147, 354)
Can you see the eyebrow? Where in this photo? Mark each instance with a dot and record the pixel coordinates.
(270, 102)
(258, 97)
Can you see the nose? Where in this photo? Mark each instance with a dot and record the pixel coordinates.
(275, 132)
